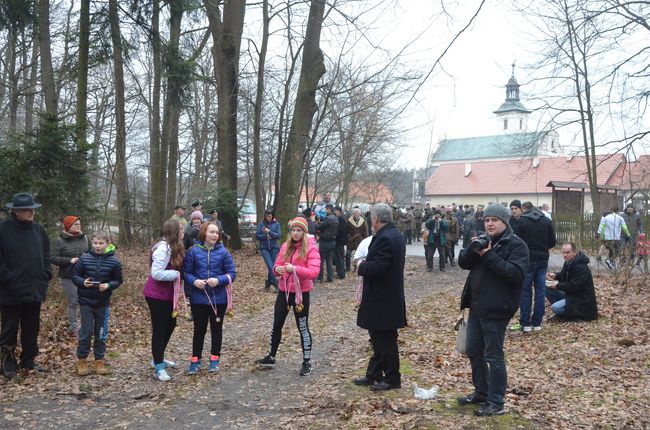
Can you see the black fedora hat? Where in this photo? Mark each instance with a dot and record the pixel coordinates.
(23, 201)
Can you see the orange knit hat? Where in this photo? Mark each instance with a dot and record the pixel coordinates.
(68, 221)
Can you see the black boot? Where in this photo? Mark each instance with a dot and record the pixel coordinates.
(267, 284)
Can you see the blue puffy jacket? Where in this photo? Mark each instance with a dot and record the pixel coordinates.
(269, 240)
(104, 268)
(203, 263)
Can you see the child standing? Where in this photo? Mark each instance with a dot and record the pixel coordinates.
(209, 268)
(643, 251)
(96, 274)
(299, 260)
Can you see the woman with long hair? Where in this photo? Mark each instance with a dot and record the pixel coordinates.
(209, 268)
(166, 261)
(297, 265)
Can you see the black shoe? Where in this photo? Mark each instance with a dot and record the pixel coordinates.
(8, 364)
(489, 411)
(442, 269)
(453, 264)
(341, 277)
(319, 279)
(471, 399)
(306, 368)
(33, 366)
(267, 284)
(429, 269)
(383, 386)
(266, 362)
(363, 381)
(330, 280)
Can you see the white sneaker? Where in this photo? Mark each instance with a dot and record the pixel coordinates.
(527, 329)
(162, 375)
(168, 363)
(537, 328)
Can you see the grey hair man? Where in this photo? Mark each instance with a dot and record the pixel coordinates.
(383, 308)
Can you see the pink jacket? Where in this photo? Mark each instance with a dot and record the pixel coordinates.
(307, 270)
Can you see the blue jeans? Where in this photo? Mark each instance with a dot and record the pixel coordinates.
(92, 322)
(557, 300)
(536, 275)
(485, 338)
(269, 256)
(104, 332)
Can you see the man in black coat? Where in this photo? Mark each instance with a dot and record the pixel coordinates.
(341, 241)
(492, 291)
(24, 274)
(383, 309)
(537, 232)
(573, 297)
(327, 242)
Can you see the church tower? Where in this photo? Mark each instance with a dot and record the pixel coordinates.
(512, 115)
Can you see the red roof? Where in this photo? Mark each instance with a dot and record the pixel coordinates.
(519, 176)
(635, 175)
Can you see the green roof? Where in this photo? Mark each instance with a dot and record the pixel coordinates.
(514, 145)
(512, 106)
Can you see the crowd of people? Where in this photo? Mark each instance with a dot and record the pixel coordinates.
(504, 248)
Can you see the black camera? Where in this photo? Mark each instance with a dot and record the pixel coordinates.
(480, 243)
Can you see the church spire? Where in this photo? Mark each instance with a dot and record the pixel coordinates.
(512, 87)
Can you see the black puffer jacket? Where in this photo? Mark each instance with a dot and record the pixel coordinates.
(328, 227)
(537, 231)
(24, 262)
(104, 268)
(578, 285)
(65, 249)
(500, 274)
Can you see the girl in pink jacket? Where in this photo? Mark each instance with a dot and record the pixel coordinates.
(296, 266)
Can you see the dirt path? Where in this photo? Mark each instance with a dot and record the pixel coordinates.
(240, 395)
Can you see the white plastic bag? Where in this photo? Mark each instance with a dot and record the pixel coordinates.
(461, 337)
(422, 394)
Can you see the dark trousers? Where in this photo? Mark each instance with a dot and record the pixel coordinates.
(27, 317)
(280, 312)
(431, 252)
(417, 230)
(162, 327)
(339, 259)
(450, 250)
(92, 323)
(202, 314)
(614, 247)
(485, 338)
(384, 363)
(326, 249)
(407, 236)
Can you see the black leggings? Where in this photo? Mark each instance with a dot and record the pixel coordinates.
(162, 327)
(202, 314)
(302, 322)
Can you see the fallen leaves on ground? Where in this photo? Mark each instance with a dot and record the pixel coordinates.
(569, 375)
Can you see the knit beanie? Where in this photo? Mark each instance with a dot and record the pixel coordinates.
(498, 211)
(68, 221)
(516, 203)
(196, 214)
(299, 222)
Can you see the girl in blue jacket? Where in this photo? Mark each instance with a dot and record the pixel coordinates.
(209, 268)
(268, 232)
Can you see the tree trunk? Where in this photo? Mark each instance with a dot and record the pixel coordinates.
(156, 167)
(31, 86)
(82, 75)
(47, 73)
(173, 102)
(311, 71)
(226, 38)
(257, 119)
(12, 37)
(121, 179)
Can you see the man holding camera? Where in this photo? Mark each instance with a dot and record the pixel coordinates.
(498, 262)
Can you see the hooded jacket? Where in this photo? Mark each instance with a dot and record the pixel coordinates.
(306, 268)
(24, 262)
(576, 282)
(500, 273)
(537, 231)
(104, 268)
(66, 248)
(203, 263)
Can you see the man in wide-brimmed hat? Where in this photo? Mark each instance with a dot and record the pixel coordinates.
(24, 275)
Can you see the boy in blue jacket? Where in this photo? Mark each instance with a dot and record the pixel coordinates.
(96, 274)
